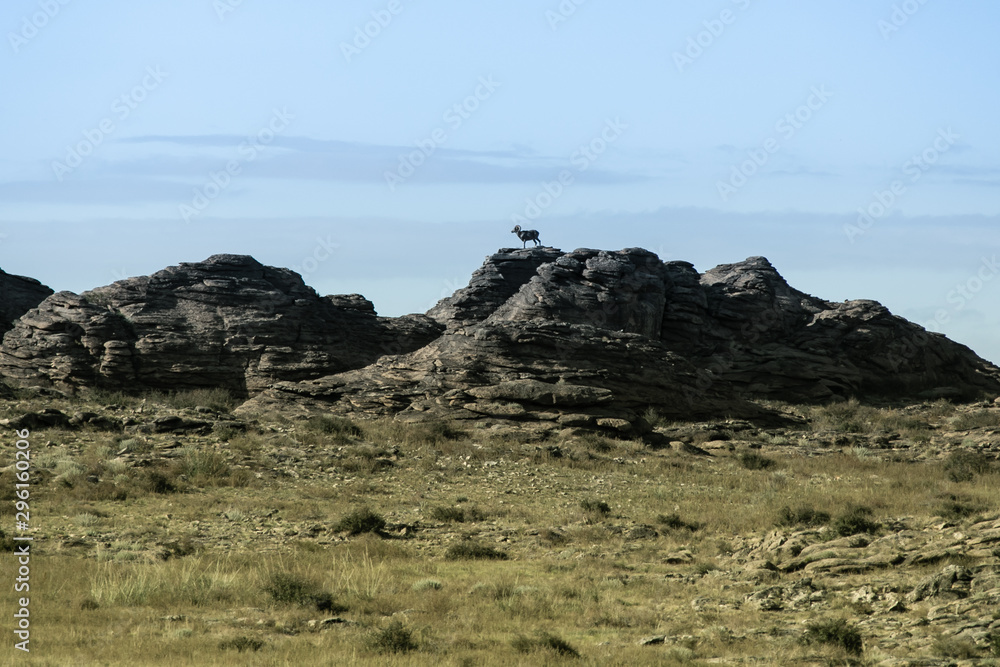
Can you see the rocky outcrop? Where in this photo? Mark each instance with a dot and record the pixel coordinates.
(748, 327)
(226, 322)
(565, 375)
(587, 338)
(498, 279)
(18, 295)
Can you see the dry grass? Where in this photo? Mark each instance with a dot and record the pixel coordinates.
(471, 548)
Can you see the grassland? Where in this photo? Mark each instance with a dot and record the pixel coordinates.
(329, 542)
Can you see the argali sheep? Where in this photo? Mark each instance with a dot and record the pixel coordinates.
(526, 235)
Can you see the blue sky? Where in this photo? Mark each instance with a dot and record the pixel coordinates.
(387, 147)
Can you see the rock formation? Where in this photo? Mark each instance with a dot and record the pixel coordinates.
(18, 295)
(537, 328)
(587, 338)
(226, 322)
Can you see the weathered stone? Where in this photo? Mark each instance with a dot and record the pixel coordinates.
(226, 322)
(18, 295)
(588, 338)
(954, 582)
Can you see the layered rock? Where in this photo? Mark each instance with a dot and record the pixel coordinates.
(226, 322)
(587, 338)
(750, 328)
(18, 295)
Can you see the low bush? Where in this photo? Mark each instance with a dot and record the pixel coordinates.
(756, 461)
(394, 638)
(360, 521)
(544, 641)
(837, 633)
(468, 550)
(856, 520)
(802, 516)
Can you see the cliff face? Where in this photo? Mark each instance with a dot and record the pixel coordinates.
(584, 338)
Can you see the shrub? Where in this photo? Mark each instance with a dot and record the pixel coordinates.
(964, 464)
(205, 466)
(674, 522)
(962, 649)
(437, 432)
(242, 644)
(457, 514)
(394, 638)
(218, 398)
(756, 461)
(360, 521)
(594, 506)
(802, 516)
(287, 588)
(473, 551)
(838, 633)
(956, 508)
(156, 481)
(340, 428)
(976, 419)
(427, 585)
(855, 520)
(544, 641)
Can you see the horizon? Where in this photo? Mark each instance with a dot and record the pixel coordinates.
(386, 148)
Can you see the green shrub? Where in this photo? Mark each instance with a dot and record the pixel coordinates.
(468, 550)
(394, 638)
(838, 633)
(756, 461)
(342, 429)
(544, 641)
(205, 466)
(285, 588)
(802, 516)
(976, 419)
(457, 514)
(594, 506)
(855, 520)
(242, 644)
(360, 521)
(956, 508)
(675, 522)
(964, 464)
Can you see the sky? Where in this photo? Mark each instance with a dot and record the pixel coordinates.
(387, 147)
